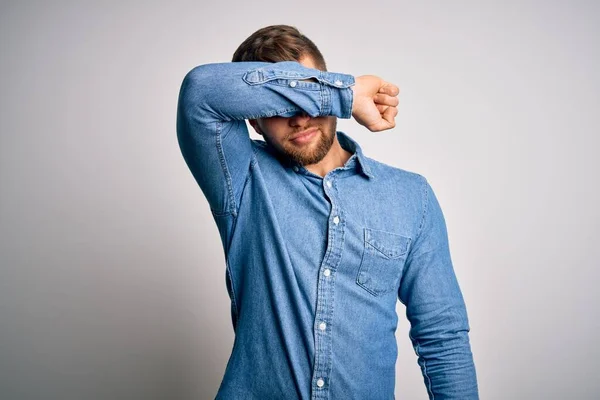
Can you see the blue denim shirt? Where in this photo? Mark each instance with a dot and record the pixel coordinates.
(315, 265)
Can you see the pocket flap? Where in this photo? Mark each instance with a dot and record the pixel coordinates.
(391, 245)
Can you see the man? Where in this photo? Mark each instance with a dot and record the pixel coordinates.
(320, 241)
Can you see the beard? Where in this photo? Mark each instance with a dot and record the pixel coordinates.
(315, 151)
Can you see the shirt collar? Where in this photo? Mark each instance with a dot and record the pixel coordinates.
(353, 147)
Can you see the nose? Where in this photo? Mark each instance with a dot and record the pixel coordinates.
(300, 119)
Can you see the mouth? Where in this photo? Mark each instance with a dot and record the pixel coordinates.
(304, 136)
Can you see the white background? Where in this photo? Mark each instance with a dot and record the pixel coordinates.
(112, 282)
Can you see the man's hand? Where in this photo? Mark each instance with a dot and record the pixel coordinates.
(375, 103)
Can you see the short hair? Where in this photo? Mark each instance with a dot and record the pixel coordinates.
(278, 43)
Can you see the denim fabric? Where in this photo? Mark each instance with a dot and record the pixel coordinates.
(314, 266)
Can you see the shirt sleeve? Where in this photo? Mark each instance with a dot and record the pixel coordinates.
(216, 99)
(436, 310)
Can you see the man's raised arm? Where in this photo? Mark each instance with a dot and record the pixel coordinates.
(216, 99)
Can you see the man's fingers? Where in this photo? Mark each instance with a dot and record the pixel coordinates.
(389, 89)
(389, 116)
(384, 99)
(386, 122)
(381, 108)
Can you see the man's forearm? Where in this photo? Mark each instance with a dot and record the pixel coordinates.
(250, 90)
(446, 361)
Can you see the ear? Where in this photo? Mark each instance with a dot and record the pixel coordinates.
(255, 125)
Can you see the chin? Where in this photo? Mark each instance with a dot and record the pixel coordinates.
(313, 156)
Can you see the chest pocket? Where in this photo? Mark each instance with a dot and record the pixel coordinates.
(382, 261)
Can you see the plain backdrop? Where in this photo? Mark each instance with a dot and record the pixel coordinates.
(112, 282)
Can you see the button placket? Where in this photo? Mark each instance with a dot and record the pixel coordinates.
(325, 296)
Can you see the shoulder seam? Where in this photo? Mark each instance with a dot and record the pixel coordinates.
(425, 204)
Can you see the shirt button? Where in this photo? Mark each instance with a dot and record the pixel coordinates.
(295, 168)
(336, 220)
(338, 83)
(320, 383)
(327, 272)
(322, 326)
(328, 183)
(293, 83)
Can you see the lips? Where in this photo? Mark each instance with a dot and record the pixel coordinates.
(304, 136)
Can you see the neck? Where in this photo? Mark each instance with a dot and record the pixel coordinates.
(336, 157)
